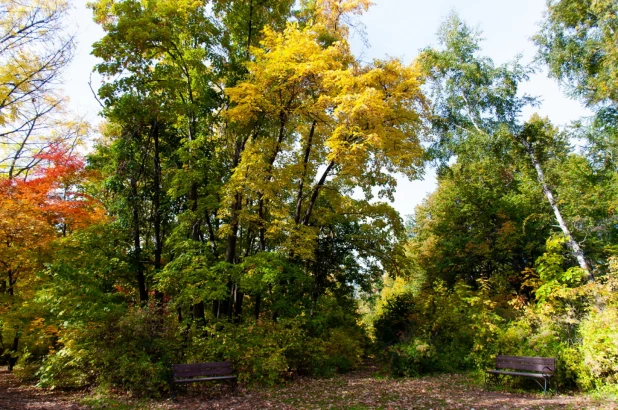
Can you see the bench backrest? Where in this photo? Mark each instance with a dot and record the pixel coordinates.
(534, 364)
(202, 369)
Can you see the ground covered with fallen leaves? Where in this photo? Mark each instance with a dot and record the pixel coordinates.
(15, 395)
(354, 391)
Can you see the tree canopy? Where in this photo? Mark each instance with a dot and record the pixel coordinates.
(236, 201)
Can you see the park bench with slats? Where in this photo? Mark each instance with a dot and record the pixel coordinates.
(538, 368)
(202, 372)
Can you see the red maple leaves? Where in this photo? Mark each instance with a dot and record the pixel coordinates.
(54, 191)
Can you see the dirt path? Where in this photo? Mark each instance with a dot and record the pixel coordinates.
(354, 391)
(360, 391)
(14, 396)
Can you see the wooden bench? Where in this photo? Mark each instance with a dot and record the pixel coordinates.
(538, 368)
(202, 372)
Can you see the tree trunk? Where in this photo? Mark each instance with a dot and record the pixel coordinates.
(211, 234)
(238, 299)
(199, 310)
(141, 279)
(158, 251)
(301, 184)
(258, 302)
(157, 199)
(316, 191)
(576, 250)
(250, 31)
(13, 352)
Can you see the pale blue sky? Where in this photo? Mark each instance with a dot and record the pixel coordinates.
(397, 28)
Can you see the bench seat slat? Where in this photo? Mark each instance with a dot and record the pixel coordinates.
(537, 375)
(204, 379)
(528, 359)
(202, 365)
(525, 366)
(202, 372)
(534, 364)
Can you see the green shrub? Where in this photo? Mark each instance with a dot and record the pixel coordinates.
(132, 352)
(268, 352)
(438, 330)
(599, 349)
(262, 353)
(411, 359)
(343, 351)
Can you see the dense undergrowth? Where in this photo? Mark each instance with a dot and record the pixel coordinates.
(436, 329)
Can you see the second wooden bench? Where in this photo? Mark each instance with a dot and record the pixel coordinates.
(202, 372)
(538, 368)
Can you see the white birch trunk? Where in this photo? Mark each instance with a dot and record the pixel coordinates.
(576, 250)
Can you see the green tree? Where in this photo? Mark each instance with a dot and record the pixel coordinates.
(578, 42)
(486, 221)
(477, 106)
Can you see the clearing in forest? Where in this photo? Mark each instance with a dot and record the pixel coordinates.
(356, 390)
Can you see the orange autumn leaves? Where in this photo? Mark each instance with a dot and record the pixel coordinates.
(54, 192)
(39, 208)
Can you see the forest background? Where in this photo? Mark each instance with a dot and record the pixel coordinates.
(236, 203)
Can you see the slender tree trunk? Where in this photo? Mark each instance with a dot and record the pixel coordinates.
(199, 310)
(141, 279)
(230, 251)
(228, 306)
(576, 250)
(238, 299)
(13, 352)
(316, 191)
(157, 199)
(158, 251)
(268, 177)
(262, 229)
(196, 231)
(10, 289)
(250, 31)
(301, 184)
(258, 302)
(211, 234)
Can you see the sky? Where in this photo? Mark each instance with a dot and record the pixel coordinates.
(394, 28)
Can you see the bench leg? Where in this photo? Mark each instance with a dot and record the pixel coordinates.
(545, 384)
(548, 384)
(491, 378)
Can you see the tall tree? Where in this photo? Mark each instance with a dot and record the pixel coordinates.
(34, 212)
(34, 50)
(477, 104)
(175, 66)
(486, 220)
(319, 125)
(578, 41)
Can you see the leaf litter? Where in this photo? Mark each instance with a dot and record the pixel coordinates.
(359, 390)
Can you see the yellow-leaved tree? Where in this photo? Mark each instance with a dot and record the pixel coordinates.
(34, 49)
(317, 127)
